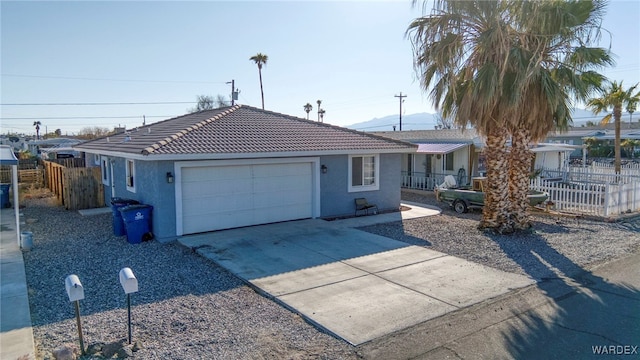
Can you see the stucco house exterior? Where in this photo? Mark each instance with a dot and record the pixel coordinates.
(240, 166)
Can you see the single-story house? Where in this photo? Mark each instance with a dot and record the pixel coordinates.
(440, 153)
(554, 157)
(49, 148)
(240, 166)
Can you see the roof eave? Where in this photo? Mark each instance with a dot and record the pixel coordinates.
(226, 156)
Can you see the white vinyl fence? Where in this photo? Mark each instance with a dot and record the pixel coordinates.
(591, 198)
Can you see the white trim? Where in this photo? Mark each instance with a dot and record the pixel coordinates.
(104, 169)
(178, 166)
(127, 172)
(376, 181)
(113, 177)
(96, 159)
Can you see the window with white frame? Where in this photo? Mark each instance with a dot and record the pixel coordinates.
(96, 159)
(104, 165)
(363, 173)
(447, 164)
(130, 175)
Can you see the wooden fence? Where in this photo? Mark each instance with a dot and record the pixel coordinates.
(591, 198)
(75, 187)
(33, 176)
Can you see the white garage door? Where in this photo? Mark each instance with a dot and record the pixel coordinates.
(223, 197)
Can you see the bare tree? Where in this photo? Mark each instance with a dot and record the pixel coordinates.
(93, 132)
(207, 102)
(443, 122)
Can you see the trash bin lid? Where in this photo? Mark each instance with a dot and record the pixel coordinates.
(123, 201)
(134, 207)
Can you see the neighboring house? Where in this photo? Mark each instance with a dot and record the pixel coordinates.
(17, 143)
(602, 135)
(239, 166)
(554, 158)
(54, 146)
(440, 153)
(574, 137)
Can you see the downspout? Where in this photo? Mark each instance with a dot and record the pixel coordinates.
(16, 199)
(470, 161)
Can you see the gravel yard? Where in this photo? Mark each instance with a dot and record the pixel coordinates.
(189, 308)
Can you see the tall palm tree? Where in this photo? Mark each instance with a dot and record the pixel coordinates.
(507, 68)
(37, 125)
(319, 102)
(614, 97)
(260, 60)
(461, 66)
(307, 108)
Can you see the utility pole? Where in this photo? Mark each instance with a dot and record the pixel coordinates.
(234, 96)
(400, 97)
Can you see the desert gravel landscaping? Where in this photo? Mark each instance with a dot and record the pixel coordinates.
(190, 308)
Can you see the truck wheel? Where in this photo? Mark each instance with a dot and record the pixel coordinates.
(460, 206)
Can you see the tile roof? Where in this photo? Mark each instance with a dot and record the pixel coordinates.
(421, 136)
(240, 129)
(439, 148)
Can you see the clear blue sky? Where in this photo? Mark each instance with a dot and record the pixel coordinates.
(351, 55)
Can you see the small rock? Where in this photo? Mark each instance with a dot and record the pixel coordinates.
(137, 346)
(67, 352)
(125, 352)
(95, 348)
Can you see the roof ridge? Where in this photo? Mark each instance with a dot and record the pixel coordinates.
(153, 147)
(342, 128)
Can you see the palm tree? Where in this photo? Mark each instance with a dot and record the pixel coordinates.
(507, 68)
(552, 63)
(37, 125)
(461, 65)
(307, 108)
(614, 97)
(260, 60)
(632, 105)
(319, 102)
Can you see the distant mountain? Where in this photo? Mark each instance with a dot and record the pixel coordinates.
(427, 121)
(420, 121)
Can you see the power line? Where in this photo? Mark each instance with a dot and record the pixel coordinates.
(117, 80)
(100, 103)
(85, 117)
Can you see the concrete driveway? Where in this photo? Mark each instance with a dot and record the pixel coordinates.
(353, 284)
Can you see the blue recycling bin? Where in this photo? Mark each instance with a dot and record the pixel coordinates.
(137, 220)
(118, 225)
(4, 195)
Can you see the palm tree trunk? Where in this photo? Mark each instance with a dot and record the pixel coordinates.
(519, 168)
(261, 92)
(617, 114)
(495, 214)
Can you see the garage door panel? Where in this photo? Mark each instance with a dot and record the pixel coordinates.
(210, 173)
(221, 197)
(203, 222)
(218, 204)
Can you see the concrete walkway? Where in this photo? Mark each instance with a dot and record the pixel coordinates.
(355, 285)
(16, 335)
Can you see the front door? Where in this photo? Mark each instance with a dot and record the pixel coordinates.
(113, 180)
